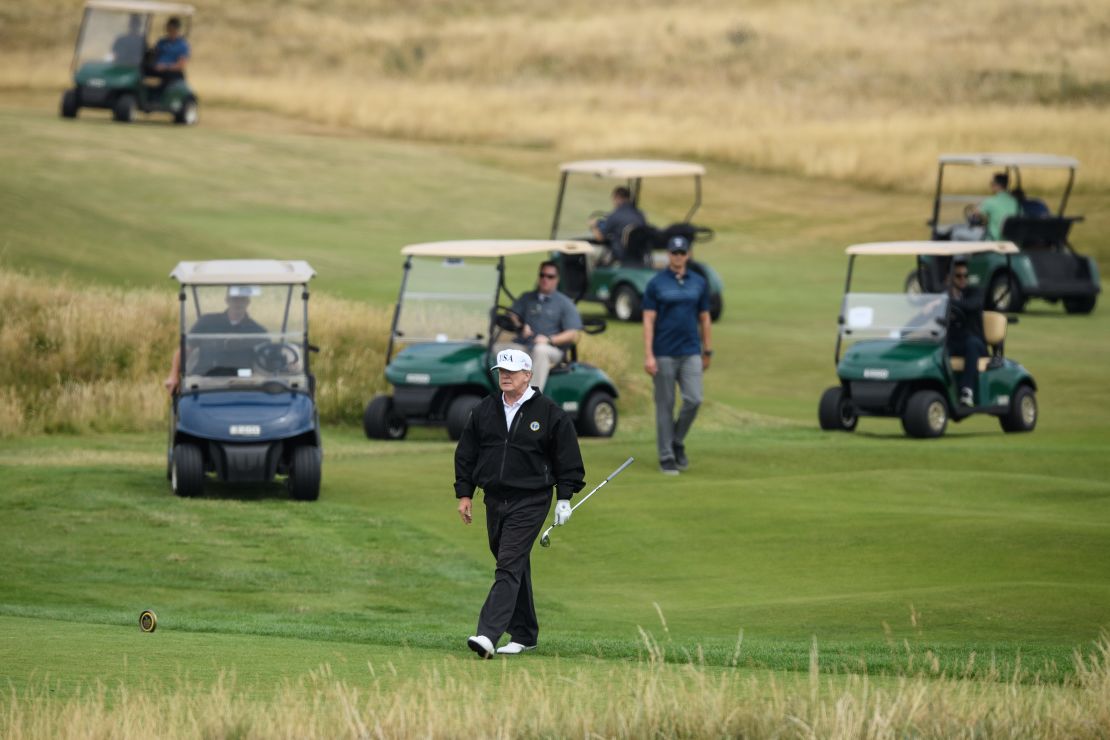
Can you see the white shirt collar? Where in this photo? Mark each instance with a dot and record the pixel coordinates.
(511, 409)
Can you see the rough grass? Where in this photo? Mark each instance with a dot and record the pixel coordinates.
(651, 699)
(846, 90)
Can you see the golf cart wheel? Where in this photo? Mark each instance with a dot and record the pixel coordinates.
(626, 303)
(926, 415)
(1022, 414)
(304, 477)
(189, 113)
(835, 412)
(716, 306)
(187, 471)
(379, 421)
(599, 417)
(1004, 293)
(458, 413)
(124, 109)
(1082, 305)
(69, 104)
(913, 283)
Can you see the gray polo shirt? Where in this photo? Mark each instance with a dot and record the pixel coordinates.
(547, 314)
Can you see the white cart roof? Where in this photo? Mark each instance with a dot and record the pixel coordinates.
(633, 168)
(996, 159)
(938, 249)
(141, 6)
(495, 248)
(235, 272)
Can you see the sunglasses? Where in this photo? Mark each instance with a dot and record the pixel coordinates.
(959, 275)
(549, 275)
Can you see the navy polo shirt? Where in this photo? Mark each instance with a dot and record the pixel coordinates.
(170, 51)
(677, 304)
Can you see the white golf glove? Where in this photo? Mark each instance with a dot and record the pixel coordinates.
(562, 513)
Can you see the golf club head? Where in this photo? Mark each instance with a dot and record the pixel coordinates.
(545, 541)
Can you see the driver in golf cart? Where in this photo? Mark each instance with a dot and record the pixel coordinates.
(171, 54)
(130, 47)
(611, 228)
(221, 352)
(551, 323)
(991, 213)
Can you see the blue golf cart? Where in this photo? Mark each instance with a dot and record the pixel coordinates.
(244, 410)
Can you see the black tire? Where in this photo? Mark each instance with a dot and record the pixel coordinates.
(459, 412)
(926, 415)
(187, 471)
(598, 418)
(716, 306)
(1082, 305)
(124, 108)
(626, 303)
(1004, 293)
(189, 113)
(913, 283)
(70, 106)
(1022, 414)
(835, 412)
(304, 475)
(379, 421)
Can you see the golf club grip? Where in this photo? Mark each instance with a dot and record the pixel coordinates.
(616, 472)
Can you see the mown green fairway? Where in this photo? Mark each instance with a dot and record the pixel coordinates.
(879, 547)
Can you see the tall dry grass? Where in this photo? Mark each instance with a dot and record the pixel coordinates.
(76, 358)
(652, 699)
(854, 90)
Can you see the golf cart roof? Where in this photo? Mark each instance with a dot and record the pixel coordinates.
(233, 272)
(495, 248)
(141, 6)
(626, 169)
(1010, 160)
(938, 249)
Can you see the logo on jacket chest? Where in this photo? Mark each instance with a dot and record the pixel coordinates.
(534, 426)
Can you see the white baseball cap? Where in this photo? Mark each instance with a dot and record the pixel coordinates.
(513, 360)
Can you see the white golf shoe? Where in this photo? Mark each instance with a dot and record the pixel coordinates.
(481, 645)
(514, 648)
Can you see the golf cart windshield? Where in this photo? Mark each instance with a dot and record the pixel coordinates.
(447, 299)
(902, 316)
(114, 36)
(244, 336)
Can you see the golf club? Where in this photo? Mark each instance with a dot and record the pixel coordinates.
(545, 538)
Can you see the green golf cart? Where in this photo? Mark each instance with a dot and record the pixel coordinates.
(619, 283)
(452, 312)
(895, 361)
(112, 63)
(1047, 266)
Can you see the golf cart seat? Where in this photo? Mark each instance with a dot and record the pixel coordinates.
(1031, 232)
(637, 243)
(994, 331)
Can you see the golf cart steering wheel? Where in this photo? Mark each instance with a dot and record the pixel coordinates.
(274, 358)
(507, 319)
(973, 218)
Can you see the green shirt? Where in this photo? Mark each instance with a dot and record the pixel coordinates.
(997, 209)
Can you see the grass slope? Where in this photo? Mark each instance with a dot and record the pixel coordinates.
(881, 548)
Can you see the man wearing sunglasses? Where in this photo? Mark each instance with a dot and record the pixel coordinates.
(551, 323)
(965, 328)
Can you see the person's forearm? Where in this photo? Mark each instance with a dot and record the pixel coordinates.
(649, 333)
(706, 338)
(564, 338)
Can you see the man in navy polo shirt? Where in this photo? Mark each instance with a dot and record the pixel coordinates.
(676, 307)
(171, 54)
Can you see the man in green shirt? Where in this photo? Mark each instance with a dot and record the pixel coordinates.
(998, 207)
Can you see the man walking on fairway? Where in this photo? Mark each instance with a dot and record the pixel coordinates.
(515, 447)
(676, 305)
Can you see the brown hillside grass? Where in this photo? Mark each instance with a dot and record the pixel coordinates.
(850, 90)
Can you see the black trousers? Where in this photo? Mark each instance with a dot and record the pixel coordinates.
(512, 525)
(971, 348)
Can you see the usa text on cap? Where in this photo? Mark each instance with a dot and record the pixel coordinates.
(513, 360)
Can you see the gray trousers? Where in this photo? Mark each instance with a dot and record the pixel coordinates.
(686, 371)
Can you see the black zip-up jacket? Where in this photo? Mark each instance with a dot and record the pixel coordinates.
(538, 452)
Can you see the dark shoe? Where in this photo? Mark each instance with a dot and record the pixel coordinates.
(668, 467)
(680, 460)
(967, 397)
(481, 645)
